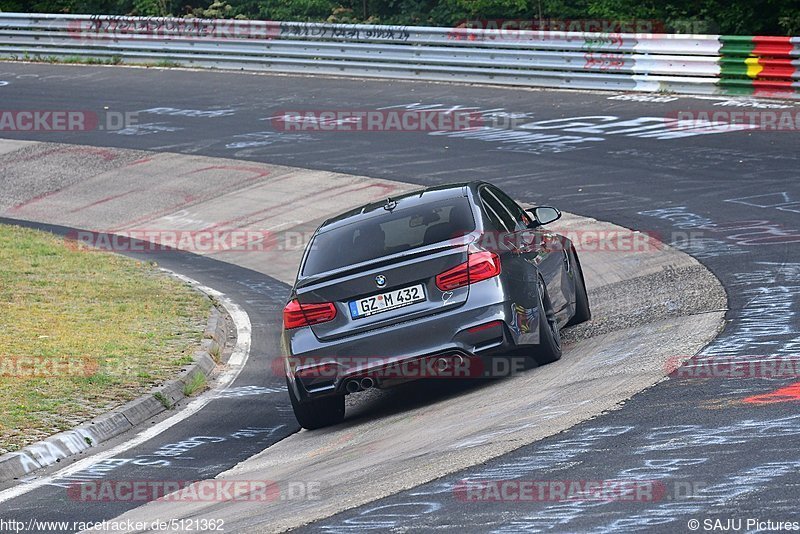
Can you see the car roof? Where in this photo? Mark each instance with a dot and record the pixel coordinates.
(405, 200)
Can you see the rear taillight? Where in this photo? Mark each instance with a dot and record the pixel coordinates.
(294, 316)
(479, 266)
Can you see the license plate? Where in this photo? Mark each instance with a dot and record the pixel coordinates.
(386, 301)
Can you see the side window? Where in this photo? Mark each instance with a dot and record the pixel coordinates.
(513, 209)
(498, 214)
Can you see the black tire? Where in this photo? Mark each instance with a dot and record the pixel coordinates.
(582, 311)
(549, 348)
(317, 413)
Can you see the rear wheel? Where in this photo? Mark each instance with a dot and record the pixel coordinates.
(317, 413)
(549, 348)
(582, 311)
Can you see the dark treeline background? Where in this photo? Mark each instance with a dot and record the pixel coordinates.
(733, 17)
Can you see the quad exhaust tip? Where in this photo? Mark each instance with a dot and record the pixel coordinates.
(443, 364)
(354, 385)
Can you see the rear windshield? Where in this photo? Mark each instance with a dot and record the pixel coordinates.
(401, 230)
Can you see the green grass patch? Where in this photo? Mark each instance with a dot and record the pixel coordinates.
(216, 352)
(195, 384)
(83, 331)
(166, 63)
(85, 60)
(160, 397)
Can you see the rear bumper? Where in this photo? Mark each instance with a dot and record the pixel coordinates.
(413, 350)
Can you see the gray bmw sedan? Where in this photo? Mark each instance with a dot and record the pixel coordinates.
(429, 284)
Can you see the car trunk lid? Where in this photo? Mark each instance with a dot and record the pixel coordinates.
(348, 285)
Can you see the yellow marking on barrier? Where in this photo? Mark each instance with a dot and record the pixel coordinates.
(753, 68)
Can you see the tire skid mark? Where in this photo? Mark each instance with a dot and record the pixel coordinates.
(104, 200)
(356, 189)
(195, 198)
(235, 222)
(259, 172)
(104, 153)
(139, 162)
(38, 198)
(272, 210)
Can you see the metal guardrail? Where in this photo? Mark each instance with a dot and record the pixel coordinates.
(700, 64)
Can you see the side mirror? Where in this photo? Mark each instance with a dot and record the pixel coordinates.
(544, 215)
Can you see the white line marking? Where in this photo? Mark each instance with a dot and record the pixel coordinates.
(236, 363)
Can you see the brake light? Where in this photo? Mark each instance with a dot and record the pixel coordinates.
(295, 316)
(484, 326)
(479, 266)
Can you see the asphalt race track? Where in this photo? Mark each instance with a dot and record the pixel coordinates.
(650, 303)
(724, 446)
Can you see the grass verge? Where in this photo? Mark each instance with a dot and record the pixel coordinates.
(196, 384)
(82, 332)
(81, 60)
